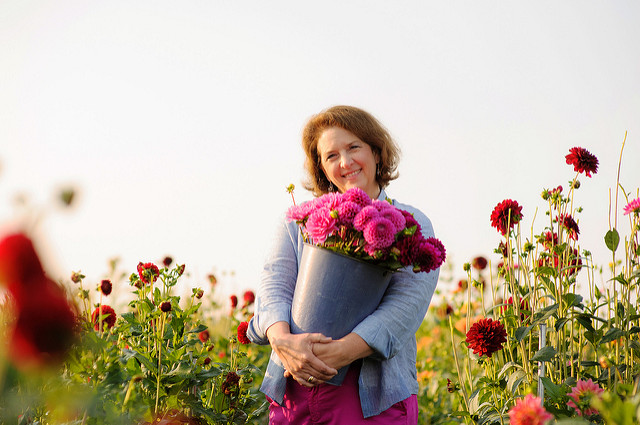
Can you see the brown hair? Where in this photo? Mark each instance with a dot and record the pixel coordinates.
(363, 125)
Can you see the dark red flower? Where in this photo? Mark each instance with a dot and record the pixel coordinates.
(249, 298)
(462, 284)
(167, 261)
(571, 261)
(566, 221)
(452, 387)
(165, 306)
(106, 287)
(20, 267)
(207, 361)
(108, 319)
(486, 336)
(242, 333)
(148, 272)
(234, 301)
(582, 160)
(198, 292)
(506, 215)
(204, 336)
(231, 384)
(548, 239)
(411, 221)
(180, 269)
(44, 329)
(479, 263)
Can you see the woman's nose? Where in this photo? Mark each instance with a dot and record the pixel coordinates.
(345, 161)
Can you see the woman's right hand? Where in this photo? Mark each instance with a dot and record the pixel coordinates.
(296, 353)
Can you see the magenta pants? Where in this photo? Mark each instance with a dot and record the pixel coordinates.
(331, 405)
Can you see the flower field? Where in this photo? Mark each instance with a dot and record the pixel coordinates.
(529, 335)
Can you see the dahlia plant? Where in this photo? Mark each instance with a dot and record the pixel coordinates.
(542, 325)
(153, 362)
(375, 231)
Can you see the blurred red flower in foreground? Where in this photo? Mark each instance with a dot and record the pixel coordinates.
(44, 327)
(108, 321)
(580, 397)
(529, 411)
(582, 160)
(486, 336)
(234, 301)
(242, 333)
(204, 336)
(505, 215)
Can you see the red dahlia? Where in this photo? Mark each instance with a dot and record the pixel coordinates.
(486, 336)
(506, 215)
(204, 336)
(249, 298)
(165, 307)
(242, 333)
(479, 263)
(106, 287)
(582, 160)
(108, 317)
(566, 221)
(234, 301)
(148, 272)
(230, 386)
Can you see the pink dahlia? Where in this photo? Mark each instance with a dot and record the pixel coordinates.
(347, 211)
(364, 216)
(329, 200)
(529, 411)
(582, 160)
(299, 212)
(437, 244)
(103, 317)
(320, 225)
(581, 395)
(379, 233)
(396, 217)
(242, 333)
(381, 205)
(633, 207)
(148, 272)
(486, 336)
(566, 221)
(357, 196)
(506, 215)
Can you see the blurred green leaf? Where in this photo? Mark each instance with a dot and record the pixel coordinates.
(545, 354)
(612, 239)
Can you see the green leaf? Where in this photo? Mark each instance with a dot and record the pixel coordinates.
(555, 392)
(585, 321)
(544, 314)
(545, 354)
(560, 323)
(521, 332)
(612, 239)
(515, 379)
(611, 335)
(508, 366)
(572, 299)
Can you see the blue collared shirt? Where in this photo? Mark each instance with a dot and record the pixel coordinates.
(389, 375)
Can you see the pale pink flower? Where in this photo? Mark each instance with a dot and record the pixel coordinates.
(362, 218)
(632, 207)
(379, 233)
(320, 225)
(581, 395)
(529, 411)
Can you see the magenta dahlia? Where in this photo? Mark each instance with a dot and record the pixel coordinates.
(347, 211)
(486, 336)
(379, 233)
(396, 217)
(506, 215)
(632, 207)
(362, 218)
(320, 225)
(357, 196)
(582, 160)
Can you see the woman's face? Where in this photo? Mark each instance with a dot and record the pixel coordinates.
(347, 161)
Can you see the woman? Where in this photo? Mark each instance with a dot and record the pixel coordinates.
(345, 147)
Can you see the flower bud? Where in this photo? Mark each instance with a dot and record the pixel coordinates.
(76, 277)
(165, 306)
(106, 287)
(466, 267)
(575, 184)
(291, 188)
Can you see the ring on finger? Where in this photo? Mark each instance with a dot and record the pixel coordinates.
(310, 379)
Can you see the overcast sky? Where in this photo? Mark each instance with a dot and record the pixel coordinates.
(179, 122)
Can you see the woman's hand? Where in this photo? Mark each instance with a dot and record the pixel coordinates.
(296, 353)
(342, 352)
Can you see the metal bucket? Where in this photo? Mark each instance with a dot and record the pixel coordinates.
(334, 293)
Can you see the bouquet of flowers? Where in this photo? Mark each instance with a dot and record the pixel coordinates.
(375, 231)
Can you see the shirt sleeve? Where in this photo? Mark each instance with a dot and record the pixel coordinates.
(402, 308)
(277, 284)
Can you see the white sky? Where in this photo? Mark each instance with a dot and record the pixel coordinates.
(179, 122)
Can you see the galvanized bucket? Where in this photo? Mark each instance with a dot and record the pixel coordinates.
(334, 293)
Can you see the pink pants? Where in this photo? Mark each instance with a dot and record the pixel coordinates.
(331, 405)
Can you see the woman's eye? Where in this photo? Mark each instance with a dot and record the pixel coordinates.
(355, 146)
(330, 156)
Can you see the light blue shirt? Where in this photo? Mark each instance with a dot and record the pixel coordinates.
(389, 375)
